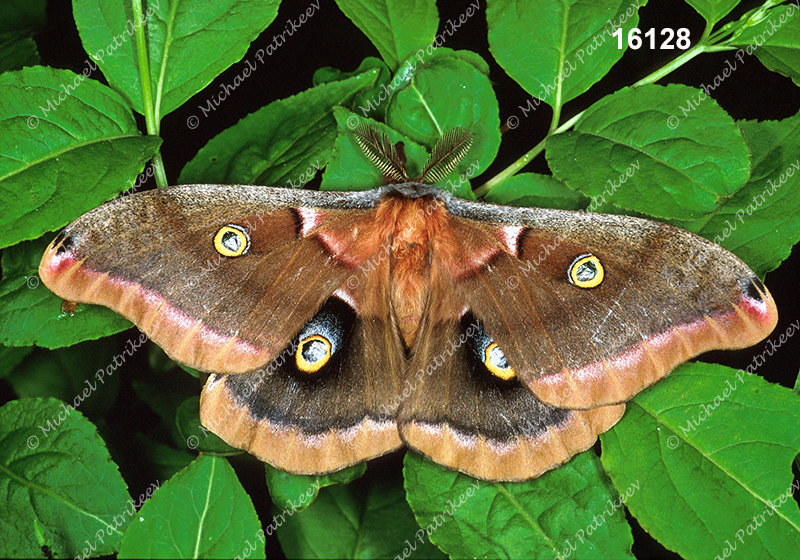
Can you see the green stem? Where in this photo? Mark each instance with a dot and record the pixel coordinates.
(524, 160)
(673, 65)
(484, 189)
(158, 170)
(733, 29)
(709, 42)
(153, 125)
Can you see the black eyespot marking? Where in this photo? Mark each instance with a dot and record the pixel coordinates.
(320, 341)
(67, 242)
(290, 395)
(508, 408)
(487, 355)
(753, 288)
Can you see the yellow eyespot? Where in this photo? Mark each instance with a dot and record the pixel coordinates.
(495, 361)
(313, 353)
(231, 241)
(586, 271)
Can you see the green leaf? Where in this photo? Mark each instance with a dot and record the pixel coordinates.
(189, 43)
(366, 102)
(19, 21)
(570, 510)
(198, 438)
(630, 150)
(11, 357)
(366, 519)
(538, 191)
(31, 314)
(61, 158)
(713, 10)
(397, 28)
(17, 50)
(72, 375)
(759, 222)
(55, 470)
(557, 49)
(201, 512)
(328, 74)
(469, 57)
(709, 440)
(191, 371)
(284, 143)
(775, 40)
(447, 93)
(285, 488)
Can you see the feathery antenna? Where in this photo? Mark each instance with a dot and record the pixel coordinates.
(388, 158)
(447, 153)
(391, 161)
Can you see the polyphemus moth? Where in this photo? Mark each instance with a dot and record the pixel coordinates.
(338, 326)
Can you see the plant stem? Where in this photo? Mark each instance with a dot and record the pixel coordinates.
(481, 191)
(484, 189)
(673, 65)
(153, 125)
(709, 42)
(524, 160)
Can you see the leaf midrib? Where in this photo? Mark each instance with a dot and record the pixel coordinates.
(715, 463)
(70, 148)
(48, 492)
(196, 553)
(501, 489)
(753, 165)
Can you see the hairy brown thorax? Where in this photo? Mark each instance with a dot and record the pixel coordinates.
(413, 224)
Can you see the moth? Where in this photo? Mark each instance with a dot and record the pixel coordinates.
(339, 326)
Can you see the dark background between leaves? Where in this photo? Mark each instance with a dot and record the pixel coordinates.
(330, 39)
